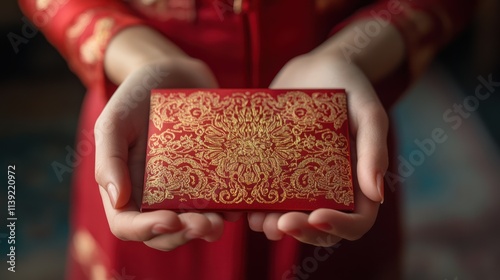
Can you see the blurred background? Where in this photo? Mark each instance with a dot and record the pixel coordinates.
(451, 224)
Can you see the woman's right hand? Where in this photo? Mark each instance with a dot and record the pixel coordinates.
(121, 136)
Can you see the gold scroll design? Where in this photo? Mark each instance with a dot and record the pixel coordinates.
(248, 147)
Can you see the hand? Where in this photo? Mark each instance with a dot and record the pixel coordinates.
(368, 125)
(121, 132)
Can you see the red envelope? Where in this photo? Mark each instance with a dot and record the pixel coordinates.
(248, 149)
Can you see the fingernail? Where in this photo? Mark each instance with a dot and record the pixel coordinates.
(112, 193)
(323, 226)
(159, 229)
(380, 187)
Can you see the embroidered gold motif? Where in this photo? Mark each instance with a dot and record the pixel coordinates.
(247, 148)
(183, 10)
(42, 4)
(50, 5)
(92, 50)
(89, 255)
(81, 23)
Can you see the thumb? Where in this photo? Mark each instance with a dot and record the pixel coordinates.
(370, 126)
(111, 169)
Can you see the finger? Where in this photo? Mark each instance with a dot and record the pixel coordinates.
(217, 227)
(296, 224)
(195, 225)
(128, 223)
(350, 226)
(232, 216)
(136, 164)
(370, 126)
(270, 226)
(111, 168)
(256, 221)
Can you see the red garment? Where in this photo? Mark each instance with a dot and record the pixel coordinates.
(245, 42)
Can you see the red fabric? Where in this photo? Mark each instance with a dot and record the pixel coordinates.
(69, 24)
(244, 49)
(426, 26)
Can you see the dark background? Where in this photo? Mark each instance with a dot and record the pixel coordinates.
(39, 107)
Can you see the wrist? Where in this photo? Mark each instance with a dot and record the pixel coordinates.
(172, 72)
(376, 56)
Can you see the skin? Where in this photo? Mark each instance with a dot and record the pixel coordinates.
(120, 152)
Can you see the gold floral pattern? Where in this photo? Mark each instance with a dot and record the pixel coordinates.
(81, 23)
(248, 147)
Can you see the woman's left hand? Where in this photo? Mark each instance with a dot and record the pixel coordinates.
(368, 128)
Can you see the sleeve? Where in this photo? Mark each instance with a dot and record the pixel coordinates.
(81, 30)
(426, 26)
